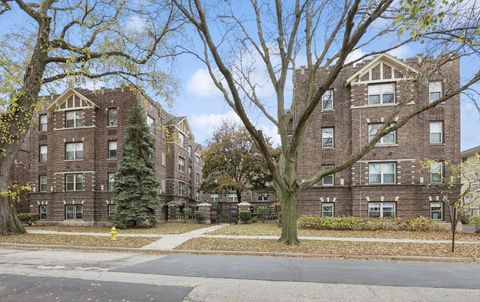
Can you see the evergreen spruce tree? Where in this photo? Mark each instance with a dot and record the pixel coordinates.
(135, 186)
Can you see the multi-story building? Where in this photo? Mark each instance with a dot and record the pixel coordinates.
(75, 146)
(390, 180)
(471, 180)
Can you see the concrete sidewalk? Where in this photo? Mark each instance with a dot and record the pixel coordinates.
(168, 243)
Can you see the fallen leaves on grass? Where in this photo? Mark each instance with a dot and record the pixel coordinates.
(274, 230)
(76, 240)
(337, 248)
(162, 228)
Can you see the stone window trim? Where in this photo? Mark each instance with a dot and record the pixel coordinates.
(74, 151)
(436, 210)
(328, 209)
(73, 212)
(43, 122)
(328, 137)
(381, 93)
(381, 209)
(74, 119)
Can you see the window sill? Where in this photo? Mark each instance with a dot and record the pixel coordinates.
(332, 110)
(379, 105)
(74, 191)
(113, 158)
(386, 145)
(437, 144)
(112, 126)
(74, 128)
(70, 160)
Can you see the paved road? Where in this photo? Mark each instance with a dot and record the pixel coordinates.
(314, 270)
(42, 275)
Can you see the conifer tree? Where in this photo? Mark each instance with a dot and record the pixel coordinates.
(135, 187)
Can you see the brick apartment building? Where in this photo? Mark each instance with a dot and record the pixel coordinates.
(75, 146)
(389, 180)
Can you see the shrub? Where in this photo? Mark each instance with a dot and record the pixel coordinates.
(200, 216)
(475, 220)
(245, 216)
(28, 218)
(371, 224)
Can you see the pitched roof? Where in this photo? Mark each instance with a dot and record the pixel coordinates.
(471, 151)
(62, 98)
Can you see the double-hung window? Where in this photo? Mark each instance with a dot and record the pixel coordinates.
(43, 153)
(328, 209)
(74, 119)
(181, 164)
(436, 172)
(327, 137)
(328, 180)
(381, 173)
(182, 189)
(73, 212)
(327, 100)
(42, 123)
(112, 117)
(436, 211)
(42, 183)
(42, 212)
(263, 197)
(232, 197)
(434, 91)
(73, 151)
(381, 94)
(74, 182)
(436, 132)
(387, 139)
(381, 209)
(112, 149)
(112, 209)
(181, 139)
(214, 198)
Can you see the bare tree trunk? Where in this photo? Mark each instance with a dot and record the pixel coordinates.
(453, 220)
(288, 202)
(9, 223)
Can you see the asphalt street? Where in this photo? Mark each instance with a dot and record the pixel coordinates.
(54, 276)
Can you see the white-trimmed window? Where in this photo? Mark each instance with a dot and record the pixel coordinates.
(381, 209)
(328, 180)
(434, 91)
(388, 139)
(381, 173)
(232, 197)
(43, 153)
(151, 124)
(43, 123)
(327, 137)
(328, 209)
(74, 212)
(198, 160)
(181, 164)
(182, 189)
(74, 119)
(73, 151)
(111, 180)
(327, 100)
(214, 198)
(181, 139)
(263, 197)
(436, 132)
(112, 149)
(436, 211)
(112, 117)
(112, 209)
(42, 183)
(42, 212)
(74, 182)
(381, 94)
(436, 172)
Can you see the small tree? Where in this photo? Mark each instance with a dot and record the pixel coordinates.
(233, 163)
(135, 186)
(462, 179)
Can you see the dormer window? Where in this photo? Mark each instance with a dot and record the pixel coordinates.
(381, 94)
(74, 119)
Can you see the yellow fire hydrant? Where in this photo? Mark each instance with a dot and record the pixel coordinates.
(113, 232)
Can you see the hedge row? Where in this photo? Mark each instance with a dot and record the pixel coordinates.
(372, 224)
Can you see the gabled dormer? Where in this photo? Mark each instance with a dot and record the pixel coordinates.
(384, 68)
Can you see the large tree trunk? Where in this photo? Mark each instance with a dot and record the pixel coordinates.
(288, 202)
(9, 223)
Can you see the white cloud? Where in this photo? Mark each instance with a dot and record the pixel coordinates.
(355, 55)
(201, 85)
(136, 23)
(92, 84)
(401, 52)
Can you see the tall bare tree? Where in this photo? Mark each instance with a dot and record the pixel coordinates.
(326, 34)
(67, 42)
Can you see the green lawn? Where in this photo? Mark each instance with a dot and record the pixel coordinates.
(331, 248)
(76, 240)
(163, 228)
(274, 230)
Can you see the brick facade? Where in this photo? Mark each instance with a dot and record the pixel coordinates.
(350, 117)
(95, 198)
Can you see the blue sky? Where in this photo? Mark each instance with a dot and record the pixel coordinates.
(205, 108)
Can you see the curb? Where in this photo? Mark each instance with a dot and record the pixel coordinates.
(246, 253)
